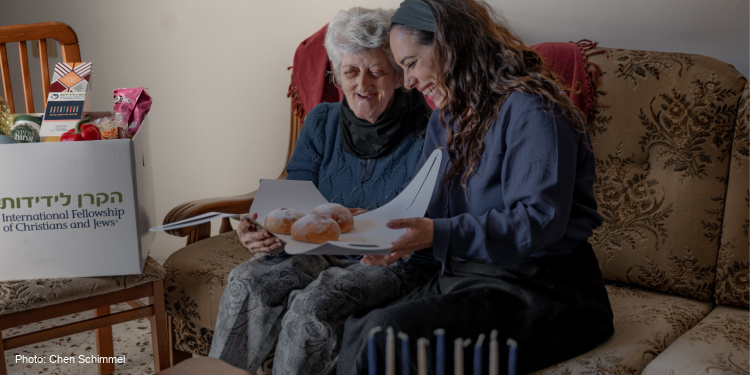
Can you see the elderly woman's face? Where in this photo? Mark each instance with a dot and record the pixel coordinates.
(369, 81)
(418, 62)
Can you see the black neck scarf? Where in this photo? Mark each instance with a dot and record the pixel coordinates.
(366, 140)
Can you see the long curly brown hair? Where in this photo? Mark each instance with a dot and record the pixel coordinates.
(480, 62)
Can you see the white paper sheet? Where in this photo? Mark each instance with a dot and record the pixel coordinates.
(195, 220)
(369, 235)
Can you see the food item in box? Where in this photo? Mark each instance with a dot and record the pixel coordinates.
(25, 128)
(83, 131)
(133, 104)
(5, 118)
(112, 127)
(315, 229)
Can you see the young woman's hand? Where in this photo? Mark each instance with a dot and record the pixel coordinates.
(418, 236)
(255, 240)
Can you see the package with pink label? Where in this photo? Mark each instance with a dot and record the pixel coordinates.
(132, 105)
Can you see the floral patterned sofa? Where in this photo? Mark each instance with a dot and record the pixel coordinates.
(670, 134)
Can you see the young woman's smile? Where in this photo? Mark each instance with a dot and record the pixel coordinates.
(418, 62)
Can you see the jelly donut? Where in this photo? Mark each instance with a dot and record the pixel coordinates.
(315, 229)
(280, 220)
(337, 212)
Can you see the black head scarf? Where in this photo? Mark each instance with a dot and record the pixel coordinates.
(414, 13)
(409, 112)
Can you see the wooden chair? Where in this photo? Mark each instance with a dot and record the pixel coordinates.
(40, 32)
(28, 301)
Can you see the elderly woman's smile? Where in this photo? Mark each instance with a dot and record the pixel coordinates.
(368, 80)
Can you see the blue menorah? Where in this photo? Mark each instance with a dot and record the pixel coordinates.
(459, 347)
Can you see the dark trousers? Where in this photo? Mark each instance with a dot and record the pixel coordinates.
(554, 307)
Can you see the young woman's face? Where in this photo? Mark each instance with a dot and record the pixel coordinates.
(418, 62)
(369, 82)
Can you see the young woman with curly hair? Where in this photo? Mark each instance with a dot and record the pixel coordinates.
(511, 215)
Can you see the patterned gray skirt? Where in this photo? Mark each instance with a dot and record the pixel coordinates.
(297, 306)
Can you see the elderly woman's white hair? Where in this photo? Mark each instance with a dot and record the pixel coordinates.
(358, 30)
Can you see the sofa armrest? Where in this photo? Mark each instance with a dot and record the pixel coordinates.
(239, 204)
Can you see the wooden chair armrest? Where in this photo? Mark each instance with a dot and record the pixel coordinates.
(239, 204)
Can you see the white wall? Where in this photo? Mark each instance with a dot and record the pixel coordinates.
(217, 70)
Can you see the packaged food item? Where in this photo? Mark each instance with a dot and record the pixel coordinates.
(68, 98)
(133, 104)
(5, 119)
(112, 127)
(25, 128)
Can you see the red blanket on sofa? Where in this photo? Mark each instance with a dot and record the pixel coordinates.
(570, 62)
(311, 84)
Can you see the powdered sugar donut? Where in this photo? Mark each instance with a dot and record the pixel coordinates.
(337, 212)
(315, 229)
(280, 220)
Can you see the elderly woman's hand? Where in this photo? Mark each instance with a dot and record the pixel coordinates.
(418, 236)
(357, 211)
(255, 240)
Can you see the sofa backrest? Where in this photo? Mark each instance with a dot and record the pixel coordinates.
(732, 279)
(672, 173)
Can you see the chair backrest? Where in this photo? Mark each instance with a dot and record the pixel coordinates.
(295, 125)
(40, 32)
(310, 84)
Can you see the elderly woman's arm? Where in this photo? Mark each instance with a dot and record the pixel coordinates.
(305, 164)
(309, 152)
(257, 241)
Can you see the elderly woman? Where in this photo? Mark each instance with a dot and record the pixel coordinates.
(358, 153)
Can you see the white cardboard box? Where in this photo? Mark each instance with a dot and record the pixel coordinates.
(76, 209)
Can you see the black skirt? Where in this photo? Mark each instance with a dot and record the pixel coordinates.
(554, 307)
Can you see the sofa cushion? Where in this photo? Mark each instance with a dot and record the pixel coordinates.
(646, 322)
(662, 135)
(717, 345)
(733, 266)
(192, 297)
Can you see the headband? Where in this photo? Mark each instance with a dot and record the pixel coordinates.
(414, 13)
